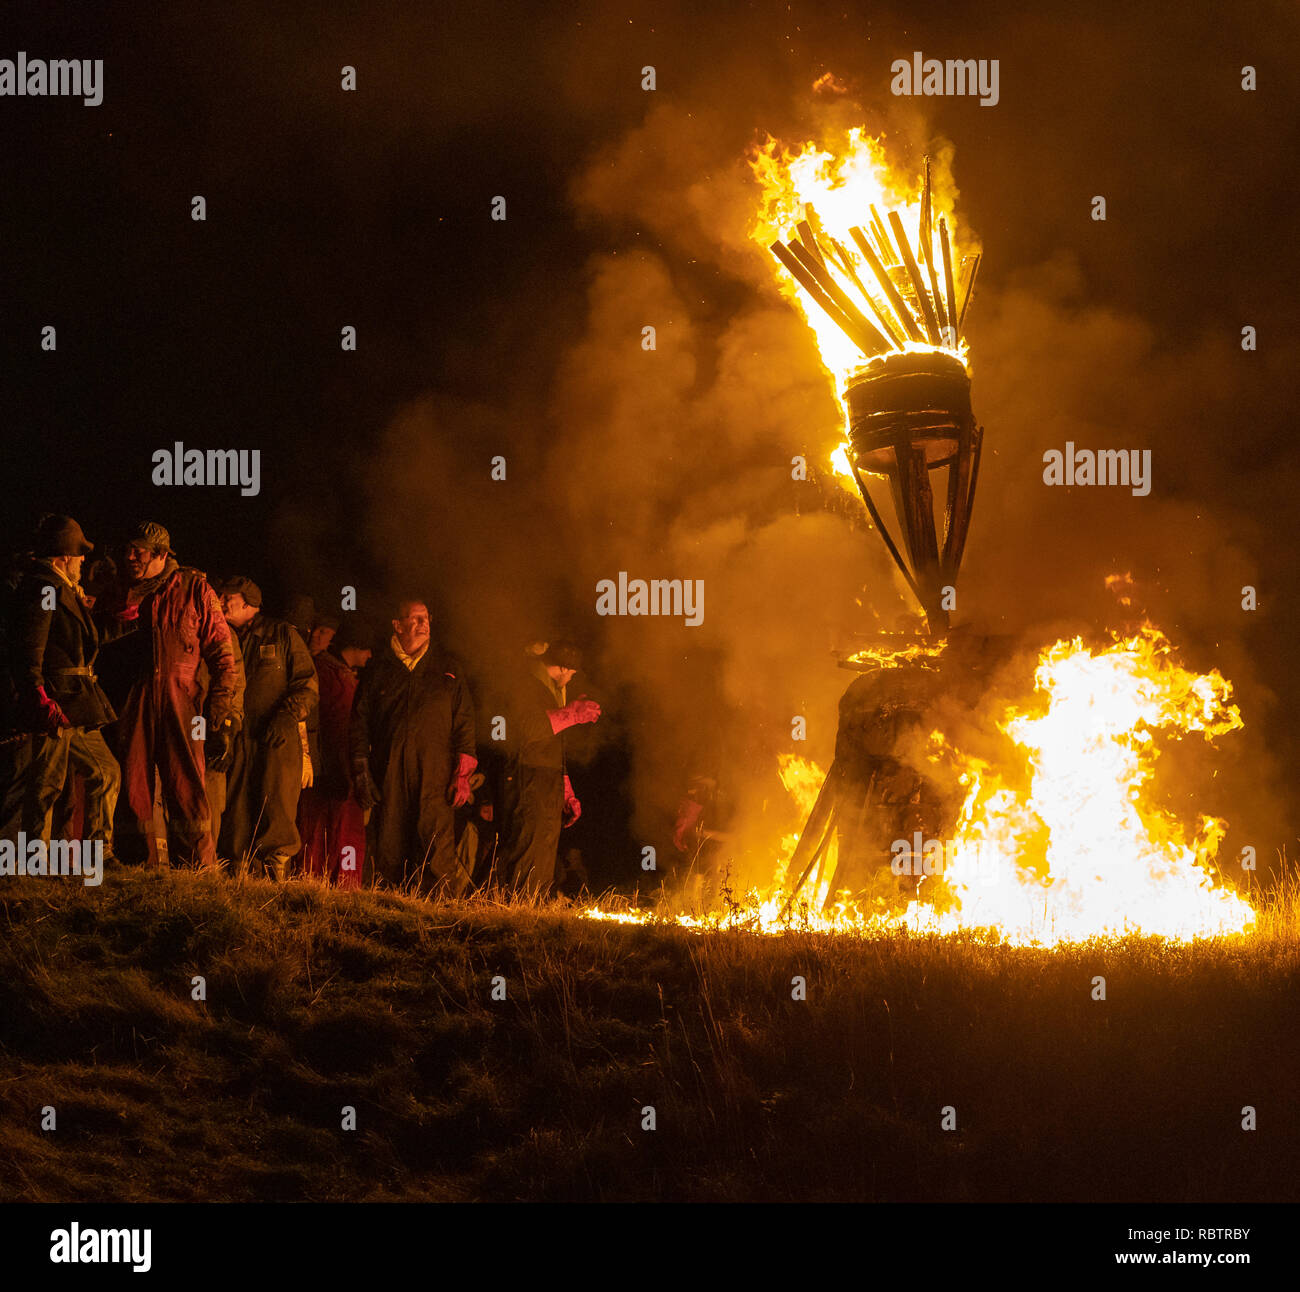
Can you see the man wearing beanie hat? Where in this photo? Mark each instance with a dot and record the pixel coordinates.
(270, 767)
(537, 795)
(161, 621)
(54, 645)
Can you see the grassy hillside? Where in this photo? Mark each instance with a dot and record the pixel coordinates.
(317, 1000)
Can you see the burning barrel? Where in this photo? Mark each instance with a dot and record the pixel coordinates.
(910, 414)
(908, 403)
(909, 409)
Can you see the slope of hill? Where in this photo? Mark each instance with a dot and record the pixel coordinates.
(316, 1002)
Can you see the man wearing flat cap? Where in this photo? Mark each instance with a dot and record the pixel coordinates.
(259, 827)
(161, 621)
(53, 646)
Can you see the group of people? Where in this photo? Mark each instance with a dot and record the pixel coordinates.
(174, 721)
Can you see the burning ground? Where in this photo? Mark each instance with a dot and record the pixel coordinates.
(1054, 832)
(317, 1000)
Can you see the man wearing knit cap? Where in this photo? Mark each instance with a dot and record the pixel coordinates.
(271, 765)
(161, 620)
(53, 645)
(537, 794)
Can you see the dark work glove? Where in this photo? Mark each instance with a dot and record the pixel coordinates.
(364, 788)
(280, 730)
(219, 750)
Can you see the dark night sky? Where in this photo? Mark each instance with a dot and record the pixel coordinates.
(372, 208)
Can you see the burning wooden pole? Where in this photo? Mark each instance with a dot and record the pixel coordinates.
(866, 336)
(890, 325)
(970, 288)
(940, 309)
(877, 267)
(927, 254)
(816, 834)
(809, 241)
(882, 238)
(914, 273)
(813, 287)
(948, 282)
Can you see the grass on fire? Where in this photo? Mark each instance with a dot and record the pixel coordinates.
(317, 1000)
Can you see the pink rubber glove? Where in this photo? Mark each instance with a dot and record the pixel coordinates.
(689, 812)
(572, 808)
(459, 792)
(573, 714)
(51, 718)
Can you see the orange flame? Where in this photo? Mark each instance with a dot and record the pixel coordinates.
(1081, 854)
(1064, 846)
(835, 192)
(829, 203)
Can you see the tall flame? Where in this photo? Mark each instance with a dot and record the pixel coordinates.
(870, 254)
(1082, 852)
(1063, 845)
(834, 193)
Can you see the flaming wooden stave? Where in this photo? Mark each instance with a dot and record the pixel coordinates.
(825, 269)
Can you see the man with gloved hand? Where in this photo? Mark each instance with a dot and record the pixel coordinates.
(161, 627)
(538, 796)
(259, 829)
(53, 644)
(412, 749)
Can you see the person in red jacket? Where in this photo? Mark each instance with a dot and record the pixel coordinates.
(160, 620)
(330, 819)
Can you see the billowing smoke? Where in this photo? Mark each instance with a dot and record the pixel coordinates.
(672, 459)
